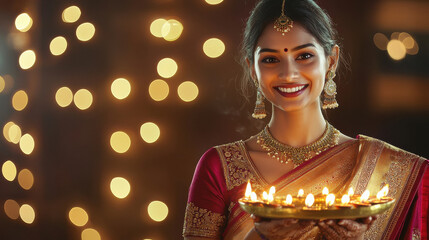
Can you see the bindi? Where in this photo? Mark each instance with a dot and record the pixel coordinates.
(285, 49)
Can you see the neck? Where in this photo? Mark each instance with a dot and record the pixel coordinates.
(297, 128)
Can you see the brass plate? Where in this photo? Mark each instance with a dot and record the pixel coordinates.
(298, 213)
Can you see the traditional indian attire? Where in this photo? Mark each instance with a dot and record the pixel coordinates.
(364, 163)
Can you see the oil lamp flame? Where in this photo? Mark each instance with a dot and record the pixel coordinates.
(345, 199)
(300, 193)
(288, 199)
(325, 191)
(253, 197)
(309, 200)
(265, 196)
(351, 192)
(385, 190)
(330, 199)
(270, 198)
(365, 196)
(380, 195)
(272, 191)
(248, 190)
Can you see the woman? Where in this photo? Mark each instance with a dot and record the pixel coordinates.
(292, 55)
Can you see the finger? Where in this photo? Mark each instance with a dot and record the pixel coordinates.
(345, 232)
(290, 221)
(327, 231)
(353, 226)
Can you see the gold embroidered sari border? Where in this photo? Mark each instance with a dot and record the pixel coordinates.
(202, 222)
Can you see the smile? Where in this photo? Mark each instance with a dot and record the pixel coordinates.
(291, 91)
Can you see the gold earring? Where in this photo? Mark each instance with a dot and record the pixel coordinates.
(330, 92)
(259, 112)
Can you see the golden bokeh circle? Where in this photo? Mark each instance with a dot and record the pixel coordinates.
(11, 208)
(188, 91)
(167, 67)
(157, 211)
(19, 100)
(71, 14)
(213, 2)
(78, 216)
(156, 27)
(64, 96)
(213, 47)
(27, 59)
(14, 133)
(90, 234)
(26, 143)
(120, 88)
(27, 214)
(171, 30)
(58, 45)
(120, 142)
(8, 170)
(23, 22)
(120, 187)
(25, 179)
(158, 90)
(83, 99)
(396, 49)
(150, 132)
(6, 130)
(85, 31)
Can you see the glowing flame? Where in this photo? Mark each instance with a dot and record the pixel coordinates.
(265, 196)
(345, 199)
(379, 195)
(385, 190)
(351, 192)
(330, 199)
(253, 197)
(325, 191)
(300, 193)
(288, 199)
(270, 197)
(272, 190)
(248, 190)
(365, 196)
(309, 200)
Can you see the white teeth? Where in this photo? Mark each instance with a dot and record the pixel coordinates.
(290, 90)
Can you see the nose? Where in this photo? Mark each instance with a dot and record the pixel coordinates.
(288, 71)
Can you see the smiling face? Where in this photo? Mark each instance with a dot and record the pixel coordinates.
(291, 69)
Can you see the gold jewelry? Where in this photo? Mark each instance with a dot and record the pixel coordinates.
(259, 111)
(286, 154)
(283, 24)
(330, 92)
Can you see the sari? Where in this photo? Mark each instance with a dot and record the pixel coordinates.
(363, 163)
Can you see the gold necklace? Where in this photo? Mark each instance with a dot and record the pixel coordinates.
(285, 153)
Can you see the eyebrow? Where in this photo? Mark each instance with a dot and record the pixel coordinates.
(293, 49)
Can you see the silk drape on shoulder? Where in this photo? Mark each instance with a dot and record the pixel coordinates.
(364, 163)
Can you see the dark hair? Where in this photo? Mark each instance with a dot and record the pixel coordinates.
(306, 12)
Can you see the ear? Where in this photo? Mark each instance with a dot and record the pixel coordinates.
(251, 69)
(333, 58)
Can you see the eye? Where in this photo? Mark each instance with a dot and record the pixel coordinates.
(269, 60)
(305, 56)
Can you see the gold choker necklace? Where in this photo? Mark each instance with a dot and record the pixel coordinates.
(285, 154)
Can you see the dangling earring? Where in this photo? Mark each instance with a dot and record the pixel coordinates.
(330, 92)
(259, 112)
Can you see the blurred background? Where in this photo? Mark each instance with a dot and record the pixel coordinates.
(106, 106)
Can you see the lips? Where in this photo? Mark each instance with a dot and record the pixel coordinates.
(292, 90)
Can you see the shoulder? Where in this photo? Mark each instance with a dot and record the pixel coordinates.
(390, 150)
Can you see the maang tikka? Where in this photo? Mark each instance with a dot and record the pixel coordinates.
(283, 24)
(330, 89)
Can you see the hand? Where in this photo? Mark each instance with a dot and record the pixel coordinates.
(280, 229)
(346, 228)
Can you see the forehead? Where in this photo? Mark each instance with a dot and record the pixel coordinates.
(297, 36)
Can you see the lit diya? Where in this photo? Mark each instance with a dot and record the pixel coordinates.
(362, 201)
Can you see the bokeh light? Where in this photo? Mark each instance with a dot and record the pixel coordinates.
(26, 143)
(58, 45)
(2, 84)
(64, 96)
(156, 27)
(120, 88)
(213, 2)
(187, 91)
(14, 133)
(19, 100)
(396, 49)
(380, 41)
(83, 99)
(6, 130)
(150, 132)
(11, 208)
(157, 210)
(120, 187)
(8, 170)
(78, 216)
(167, 67)
(90, 234)
(85, 31)
(27, 59)
(171, 30)
(25, 179)
(27, 214)
(71, 14)
(158, 90)
(23, 22)
(120, 142)
(213, 47)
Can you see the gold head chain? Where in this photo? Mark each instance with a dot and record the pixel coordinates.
(283, 24)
